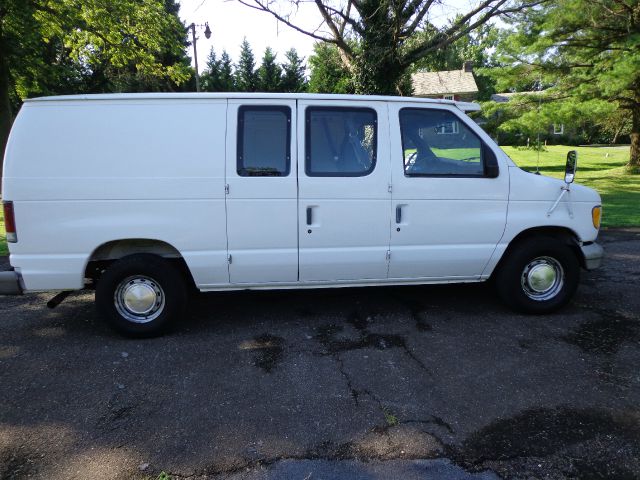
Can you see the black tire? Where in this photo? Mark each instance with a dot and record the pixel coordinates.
(154, 280)
(515, 278)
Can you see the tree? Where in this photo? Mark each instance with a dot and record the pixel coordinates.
(246, 79)
(218, 73)
(227, 82)
(372, 36)
(171, 52)
(328, 74)
(269, 73)
(293, 73)
(528, 116)
(210, 78)
(584, 51)
(71, 46)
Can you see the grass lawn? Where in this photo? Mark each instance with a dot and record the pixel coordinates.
(620, 191)
(3, 241)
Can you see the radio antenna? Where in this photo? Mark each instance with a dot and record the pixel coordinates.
(539, 108)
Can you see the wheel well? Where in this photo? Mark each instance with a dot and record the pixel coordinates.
(109, 252)
(562, 234)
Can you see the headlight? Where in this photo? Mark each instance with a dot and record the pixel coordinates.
(596, 216)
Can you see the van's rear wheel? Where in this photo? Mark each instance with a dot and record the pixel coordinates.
(540, 275)
(141, 295)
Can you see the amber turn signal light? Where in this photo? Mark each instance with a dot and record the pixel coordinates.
(596, 216)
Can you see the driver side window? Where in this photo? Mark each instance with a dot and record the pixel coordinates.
(437, 143)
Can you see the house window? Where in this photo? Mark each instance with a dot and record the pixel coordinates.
(448, 97)
(447, 128)
(558, 128)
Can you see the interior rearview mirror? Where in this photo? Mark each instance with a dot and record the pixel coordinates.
(572, 165)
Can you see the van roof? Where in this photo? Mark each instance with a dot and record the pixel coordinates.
(464, 106)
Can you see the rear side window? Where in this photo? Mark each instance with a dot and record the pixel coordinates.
(264, 141)
(437, 143)
(340, 142)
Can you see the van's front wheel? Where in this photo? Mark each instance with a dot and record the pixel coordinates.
(540, 275)
(141, 295)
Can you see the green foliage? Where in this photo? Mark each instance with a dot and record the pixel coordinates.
(530, 115)
(218, 74)
(293, 73)
(582, 51)
(328, 74)
(600, 168)
(246, 78)
(118, 37)
(227, 81)
(380, 40)
(3, 239)
(390, 419)
(269, 73)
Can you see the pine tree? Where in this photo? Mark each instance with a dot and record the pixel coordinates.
(246, 78)
(210, 80)
(293, 73)
(269, 73)
(227, 81)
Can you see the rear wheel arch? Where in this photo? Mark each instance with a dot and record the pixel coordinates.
(107, 253)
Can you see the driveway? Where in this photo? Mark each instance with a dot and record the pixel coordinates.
(398, 382)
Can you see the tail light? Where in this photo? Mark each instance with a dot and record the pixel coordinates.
(10, 222)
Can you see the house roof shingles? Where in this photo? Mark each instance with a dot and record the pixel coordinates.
(441, 83)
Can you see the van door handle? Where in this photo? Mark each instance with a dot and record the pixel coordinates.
(309, 216)
(399, 214)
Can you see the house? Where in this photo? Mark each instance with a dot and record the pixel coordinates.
(450, 84)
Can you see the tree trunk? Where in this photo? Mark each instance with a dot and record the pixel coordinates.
(376, 68)
(634, 153)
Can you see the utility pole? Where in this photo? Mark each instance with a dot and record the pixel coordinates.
(207, 33)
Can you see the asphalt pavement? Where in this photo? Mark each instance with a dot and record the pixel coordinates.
(366, 383)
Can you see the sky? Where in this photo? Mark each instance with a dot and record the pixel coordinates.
(230, 22)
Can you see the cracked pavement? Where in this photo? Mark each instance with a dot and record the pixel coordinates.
(393, 382)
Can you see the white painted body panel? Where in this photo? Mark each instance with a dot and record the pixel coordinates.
(450, 226)
(81, 174)
(349, 235)
(262, 212)
(86, 170)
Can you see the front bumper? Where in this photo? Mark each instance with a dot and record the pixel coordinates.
(593, 254)
(10, 283)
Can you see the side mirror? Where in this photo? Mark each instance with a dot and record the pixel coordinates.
(572, 166)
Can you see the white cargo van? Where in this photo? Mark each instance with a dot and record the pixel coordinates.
(144, 195)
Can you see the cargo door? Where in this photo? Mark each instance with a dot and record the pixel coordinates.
(345, 203)
(261, 200)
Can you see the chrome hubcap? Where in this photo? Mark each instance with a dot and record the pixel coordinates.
(542, 278)
(139, 299)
